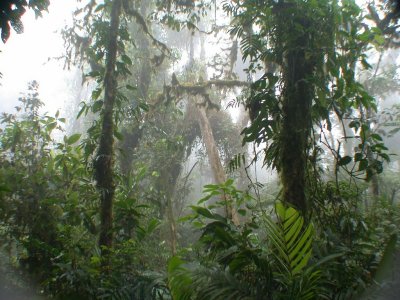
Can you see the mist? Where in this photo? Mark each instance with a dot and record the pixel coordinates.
(200, 149)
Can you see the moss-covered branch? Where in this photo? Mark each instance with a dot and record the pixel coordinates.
(176, 90)
(130, 11)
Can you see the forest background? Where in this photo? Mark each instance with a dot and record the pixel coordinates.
(286, 113)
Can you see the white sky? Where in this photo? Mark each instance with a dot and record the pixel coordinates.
(25, 58)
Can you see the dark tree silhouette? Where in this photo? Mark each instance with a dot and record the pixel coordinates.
(11, 12)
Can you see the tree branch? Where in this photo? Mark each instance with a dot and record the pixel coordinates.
(142, 23)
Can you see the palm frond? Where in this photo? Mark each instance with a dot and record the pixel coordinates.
(291, 239)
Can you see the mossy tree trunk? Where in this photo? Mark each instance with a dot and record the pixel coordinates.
(298, 94)
(172, 225)
(171, 197)
(168, 182)
(104, 161)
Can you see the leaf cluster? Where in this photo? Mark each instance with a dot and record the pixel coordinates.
(265, 258)
(11, 12)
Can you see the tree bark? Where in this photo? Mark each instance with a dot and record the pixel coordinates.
(214, 158)
(206, 130)
(297, 99)
(104, 161)
(172, 225)
(169, 179)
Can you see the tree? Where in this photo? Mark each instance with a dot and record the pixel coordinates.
(304, 56)
(297, 44)
(215, 160)
(300, 60)
(315, 79)
(104, 160)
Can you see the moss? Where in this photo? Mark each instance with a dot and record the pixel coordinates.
(104, 162)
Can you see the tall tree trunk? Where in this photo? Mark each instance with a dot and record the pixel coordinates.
(296, 127)
(209, 141)
(144, 79)
(169, 183)
(172, 225)
(104, 161)
(214, 158)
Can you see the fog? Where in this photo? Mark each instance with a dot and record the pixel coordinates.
(200, 150)
(36, 55)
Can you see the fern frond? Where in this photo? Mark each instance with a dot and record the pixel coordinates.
(290, 239)
(179, 279)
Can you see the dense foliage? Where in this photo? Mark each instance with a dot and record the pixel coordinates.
(111, 210)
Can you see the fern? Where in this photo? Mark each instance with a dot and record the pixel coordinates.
(236, 263)
(290, 240)
(179, 279)
(295, 238)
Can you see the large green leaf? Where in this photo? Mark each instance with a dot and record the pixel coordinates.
(179, 279)
(292, 239)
